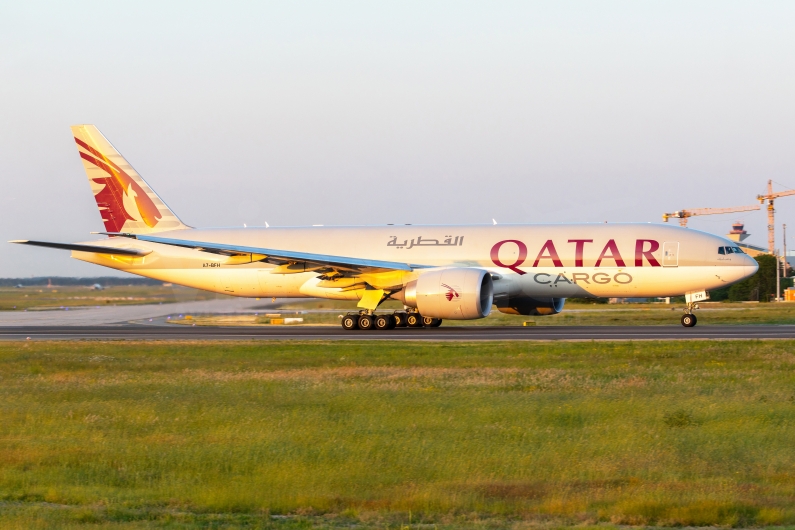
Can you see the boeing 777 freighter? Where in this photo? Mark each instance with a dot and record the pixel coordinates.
(438, 272)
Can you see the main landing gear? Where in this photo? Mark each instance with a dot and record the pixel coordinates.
(689, 319)
(399, 319)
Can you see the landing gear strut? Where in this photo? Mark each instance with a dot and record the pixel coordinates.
(689, 319)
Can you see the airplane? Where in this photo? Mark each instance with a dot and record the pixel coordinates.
(455, 272)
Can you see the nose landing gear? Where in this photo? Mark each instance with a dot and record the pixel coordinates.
(689, 319)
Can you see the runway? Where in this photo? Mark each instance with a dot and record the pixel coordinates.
(121, 314)
(452, 333)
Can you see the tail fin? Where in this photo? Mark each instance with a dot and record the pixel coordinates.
(125, 200)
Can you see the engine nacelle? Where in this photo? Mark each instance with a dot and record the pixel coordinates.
(524, 305)
(451, 293)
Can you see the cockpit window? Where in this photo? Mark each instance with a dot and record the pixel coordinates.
(730, 250)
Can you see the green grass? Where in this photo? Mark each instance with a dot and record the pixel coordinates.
(183, 435)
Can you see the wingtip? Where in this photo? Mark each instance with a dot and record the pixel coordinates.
(19, 241)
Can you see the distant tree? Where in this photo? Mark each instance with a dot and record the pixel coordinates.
(761, 286)
(587, 300)
(719, 295)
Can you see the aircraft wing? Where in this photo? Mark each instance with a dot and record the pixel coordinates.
(85, 248)
(279, 257)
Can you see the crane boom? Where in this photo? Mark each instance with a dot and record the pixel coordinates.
(683, 215)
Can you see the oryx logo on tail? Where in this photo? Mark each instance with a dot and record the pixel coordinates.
(118, 185)
(125, 201)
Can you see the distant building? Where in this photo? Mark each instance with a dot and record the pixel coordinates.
(739, 235)
(738, 232)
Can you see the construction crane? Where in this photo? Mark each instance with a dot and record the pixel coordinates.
(771, 223)
(683, 215)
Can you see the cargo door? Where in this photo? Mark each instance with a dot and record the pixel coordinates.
(670, 254)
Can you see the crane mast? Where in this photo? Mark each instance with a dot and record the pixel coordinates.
(771, 213)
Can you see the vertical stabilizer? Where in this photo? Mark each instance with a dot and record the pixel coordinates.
(125, 201)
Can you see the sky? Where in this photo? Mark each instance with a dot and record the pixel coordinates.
(339, 113)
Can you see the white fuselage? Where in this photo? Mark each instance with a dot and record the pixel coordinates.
(561, 261)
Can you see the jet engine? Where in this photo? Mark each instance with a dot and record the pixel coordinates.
(524, 305)
(451, 293)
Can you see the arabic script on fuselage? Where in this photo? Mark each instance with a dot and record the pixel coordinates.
(426, 242)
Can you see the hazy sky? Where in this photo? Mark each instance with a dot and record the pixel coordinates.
(395, 112)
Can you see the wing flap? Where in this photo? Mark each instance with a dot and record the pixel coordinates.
(84, 248)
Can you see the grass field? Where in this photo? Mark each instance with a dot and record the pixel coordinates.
(299, 435)
(327, 312)
(59, 297)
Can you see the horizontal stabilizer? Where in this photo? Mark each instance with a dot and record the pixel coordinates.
(277, 256)
(85, 248)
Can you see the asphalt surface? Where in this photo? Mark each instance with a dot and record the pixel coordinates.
(453, 333)
(109, 315)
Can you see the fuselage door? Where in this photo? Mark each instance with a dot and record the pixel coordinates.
(670, 254)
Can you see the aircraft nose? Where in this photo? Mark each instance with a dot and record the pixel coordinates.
(750, 266)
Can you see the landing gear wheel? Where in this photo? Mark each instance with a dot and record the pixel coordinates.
(350, 322)
(414, 320)
(400, 319)
(689, 321)
(366, 322)
(430, 322)
(385, 322)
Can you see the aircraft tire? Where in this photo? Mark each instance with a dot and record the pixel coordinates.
(366, 323)
(689, 321)
(400, 319)
(350, 322)
(414, 320)
(430, 322)
(384, 322)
